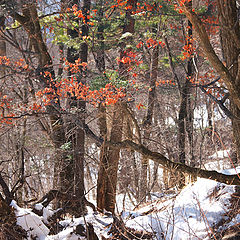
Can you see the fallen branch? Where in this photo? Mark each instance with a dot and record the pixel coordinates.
(164, 161)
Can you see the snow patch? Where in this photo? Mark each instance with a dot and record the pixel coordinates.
(30, 222)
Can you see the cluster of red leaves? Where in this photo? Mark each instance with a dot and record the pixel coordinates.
(79, 14)
(145, 8)
(150, 43)
(5, 106)
(72, 88)
(142, 8)
(75, 67)
(130, 58)
(14, 65)
(188, 48)
(163, 82)
(119, 3)
(139, 106)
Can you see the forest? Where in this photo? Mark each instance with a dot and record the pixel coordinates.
(119, 119)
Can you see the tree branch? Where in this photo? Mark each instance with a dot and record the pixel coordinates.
(165, 162)
(211, 55)
(6, 191)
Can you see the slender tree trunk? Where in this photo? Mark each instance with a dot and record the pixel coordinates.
(3, 51)
(185, 117)
(185, 106)
(148, 121)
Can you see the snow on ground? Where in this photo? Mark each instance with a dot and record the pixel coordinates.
(220, 154)
(219, 160)
(190, 215)
(30, 222)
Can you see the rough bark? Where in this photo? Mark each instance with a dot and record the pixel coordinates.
(228, 19)
(103, 178)
(107, 185)
(73, 170)
(113, 159)
(103, 161)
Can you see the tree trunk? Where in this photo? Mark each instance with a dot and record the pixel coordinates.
(73, 171)
(229, 27)
(228, 18)
(148, 122)
(109, 158)
(185, 117)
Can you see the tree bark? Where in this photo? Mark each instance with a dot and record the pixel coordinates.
(228, 19)
(73, 171)
(107, 175)
(148, 121)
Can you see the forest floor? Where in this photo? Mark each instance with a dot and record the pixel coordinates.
(203, 210)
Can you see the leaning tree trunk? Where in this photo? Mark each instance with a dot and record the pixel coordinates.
(229, 27)
(30, 21)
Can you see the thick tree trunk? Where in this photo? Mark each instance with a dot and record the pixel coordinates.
(102, 118)
(228, 18)
(73, 171)
(109, 158)
(107, 175)
(113, 158)
(103, 165)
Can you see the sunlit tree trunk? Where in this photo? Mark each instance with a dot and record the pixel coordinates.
(107, 185)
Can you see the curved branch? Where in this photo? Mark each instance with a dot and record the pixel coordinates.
(165, 162)
(211, 55)
(162, 160)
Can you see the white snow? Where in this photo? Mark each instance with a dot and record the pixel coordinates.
(189, 215)
(30, 222)
(220, 154)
